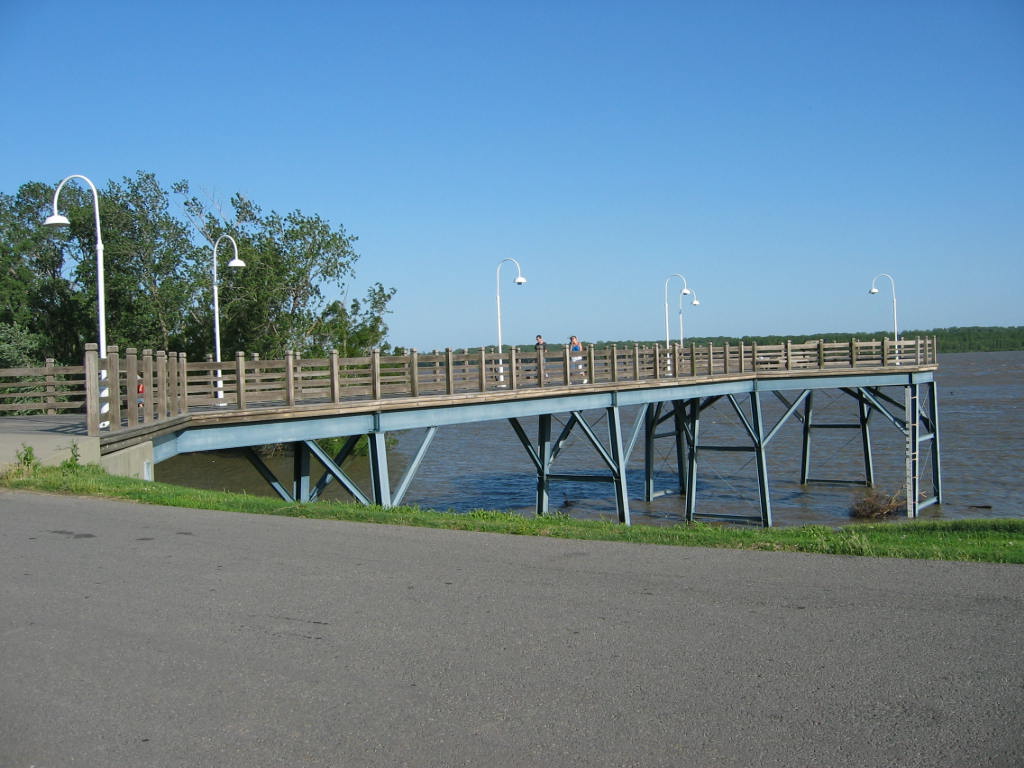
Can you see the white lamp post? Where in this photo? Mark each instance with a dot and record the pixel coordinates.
(59, 220)
(520, 280)
(695, 303)
(874, 289)
(235, 263)
(686, 292)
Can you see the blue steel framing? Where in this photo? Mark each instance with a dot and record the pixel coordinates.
(682, 404)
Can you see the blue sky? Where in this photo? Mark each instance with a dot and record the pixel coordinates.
(777, 154)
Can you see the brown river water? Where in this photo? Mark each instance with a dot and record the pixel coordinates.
(483, 465)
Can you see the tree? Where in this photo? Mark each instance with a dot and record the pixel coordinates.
(19, 347)
(158, 281)
(277, 302)
(38, 287)
(151, 265)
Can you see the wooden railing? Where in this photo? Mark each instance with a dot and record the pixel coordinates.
(123, 392)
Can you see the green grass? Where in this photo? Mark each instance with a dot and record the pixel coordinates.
(995, 541)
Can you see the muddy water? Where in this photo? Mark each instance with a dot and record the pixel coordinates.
(483, 465)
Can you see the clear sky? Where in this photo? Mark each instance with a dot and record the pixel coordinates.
(777, 154)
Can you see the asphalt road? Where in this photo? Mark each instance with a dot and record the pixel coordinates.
(147, 636)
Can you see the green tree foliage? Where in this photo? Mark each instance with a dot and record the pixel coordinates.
(277, 302)
(150, 265)
(157, 273)
(18, 346)
(38, 288)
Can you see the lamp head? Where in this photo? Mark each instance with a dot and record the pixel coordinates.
(57, 220)
(520, 280)
(873, 290)
(686, 291)
(236, 263)
(695, 302)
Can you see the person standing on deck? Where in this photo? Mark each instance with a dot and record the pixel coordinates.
(576, 356)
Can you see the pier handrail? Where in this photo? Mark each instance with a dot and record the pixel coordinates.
(151, 387)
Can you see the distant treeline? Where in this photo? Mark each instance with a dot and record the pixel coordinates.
(971, 339)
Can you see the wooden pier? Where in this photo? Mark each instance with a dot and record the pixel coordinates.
(159, 404)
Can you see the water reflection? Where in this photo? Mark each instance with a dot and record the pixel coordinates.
(483, 465)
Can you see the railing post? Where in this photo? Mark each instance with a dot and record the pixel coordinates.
(449, 370)
(789, 354)
(483, 368)
(885, 351)
(693, 358)
(821, 353)
(657, 361)
(853, 353)
(414, 372)
(677, 360)
(375, 373)
(208, 359)
(513, 362)
(742, 358)
(566, 363)
(132, 386)
(541, 364)
(146, 411)
(711, 358)
(725, 358)
(161, 385)
(92, 388)
(636, 362)
(753, 357)
(50, 388)
(615, 363)
(114, 383)
(240, 379)
(183, 388)
(590, 363)
(335, 378)
(917, 351)
(289, 375)
(173, 383)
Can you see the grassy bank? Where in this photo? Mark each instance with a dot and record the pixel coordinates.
(995, 541)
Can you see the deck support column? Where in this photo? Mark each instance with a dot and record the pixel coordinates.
(544, 469)
(380, 484)
(805, 454)
(933, 416)
(679, 421)
(300, 473)
(864, 413)
(912, 416)
(618, 460)
(692, 425)
(650, 430)
(760, 440)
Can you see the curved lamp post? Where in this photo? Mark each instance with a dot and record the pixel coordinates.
(684, 292)
(58, 220)
(892, 283)
(520, 280)
(235, 263)
(695, 303)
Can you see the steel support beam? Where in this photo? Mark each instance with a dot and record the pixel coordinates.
(300, 472)
(912, 412)
(379, 481)
(618, 459)
(544, 457)
(257, 461)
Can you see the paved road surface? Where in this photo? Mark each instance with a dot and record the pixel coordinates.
(146, 636)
